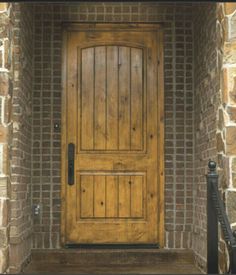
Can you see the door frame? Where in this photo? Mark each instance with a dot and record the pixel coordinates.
(158, 28)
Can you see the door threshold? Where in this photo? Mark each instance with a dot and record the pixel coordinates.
(113, 246)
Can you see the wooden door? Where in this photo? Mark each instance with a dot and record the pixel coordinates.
(112, 113)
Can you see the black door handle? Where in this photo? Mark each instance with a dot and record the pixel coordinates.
(71, 163)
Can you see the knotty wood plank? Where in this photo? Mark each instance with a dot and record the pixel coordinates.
(99, 196)
(124, 196)
(87, 99)
(136, 99)
(112, 98)
(137, 196)
(124, 98)
(111, 196)
(100, 98)
(86, 191)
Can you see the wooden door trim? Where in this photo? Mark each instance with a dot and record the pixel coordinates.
(160, 136)
(63, 138)
(160, 120)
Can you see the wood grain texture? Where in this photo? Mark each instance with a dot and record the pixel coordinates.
(111, 196)
(137, 100)
(114, 116)
(86, 197)
(100, 98)
(124, 98)
(137, 194)
(112, 98)
(87, 98)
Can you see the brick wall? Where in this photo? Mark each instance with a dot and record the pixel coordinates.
(206, 102)
(178, 47)
(21, 219)
(5, 130)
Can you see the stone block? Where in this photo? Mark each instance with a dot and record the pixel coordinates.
(7, 110)
(3, 134)
(232, 93)
(232, 113)
(232, 27)
(224, 86)
(7, 58)
(220, 143)
(225, 28)
(220, 12)
(4, 159)
(229, 8)
(229, 85)
(223, 178)
(230, 52)
(233, 165)
(231, 205)
(4, 212)
(4, 260)
(4, 83)
(234, 179)
(219, 34)
(231, 140)
(3, 7)
(4, 237)
(4, 187)
(221, 119)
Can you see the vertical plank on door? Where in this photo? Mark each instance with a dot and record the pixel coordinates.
(86, 196)
(99, 196)
(100, 98)
(87, 90)
(136, 99)
(124, 98)
(112, 98)
(136, 196)
(124, 196)
(111, 196)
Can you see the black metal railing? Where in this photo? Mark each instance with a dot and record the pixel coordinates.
(216, 213)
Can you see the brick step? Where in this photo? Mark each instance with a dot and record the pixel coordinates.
(112, 261)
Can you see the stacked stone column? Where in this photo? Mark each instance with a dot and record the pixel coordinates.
(5, 131)
(226, 132)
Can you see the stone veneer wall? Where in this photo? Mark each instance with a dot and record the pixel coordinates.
(6, 78)
(21, 214)
(206, 102)
(178, 80)
(226, 127)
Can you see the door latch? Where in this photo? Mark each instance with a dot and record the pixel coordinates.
(71, 161)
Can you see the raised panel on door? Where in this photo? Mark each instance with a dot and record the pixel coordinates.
(112, 99)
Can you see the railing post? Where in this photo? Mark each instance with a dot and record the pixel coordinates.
(233, 259)
(212, 222)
